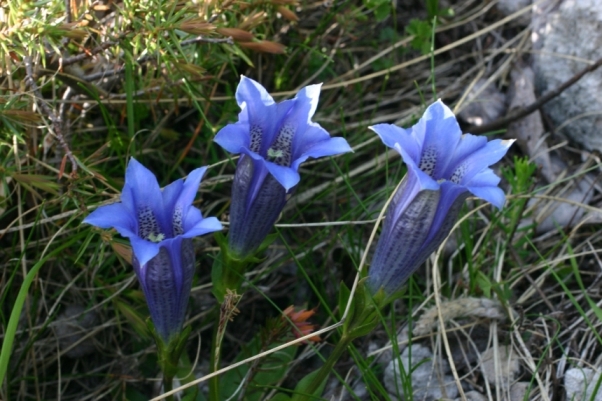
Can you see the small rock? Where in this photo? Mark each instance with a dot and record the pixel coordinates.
(508, 7)
(484, 104)
(518, 390)
(473, 396)
(566, 36)
(529, 131)
(550, 215)
(580, 384)
(429, 378)
(507, 366)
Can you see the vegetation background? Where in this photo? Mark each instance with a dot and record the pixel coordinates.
(86, 84)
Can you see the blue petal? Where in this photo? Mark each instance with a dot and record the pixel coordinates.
(468, 145)
(449, 193)
(299, 116)
(257, 200)
(249, 89)
(407, 144)
(485, 178)
(402, 239)
(166, 280)
(425, 181)
(312, 135)
(142, 182)
(493, 195)
(260, 108)
(191, 187)
(328, 147)
(142, 188)
(202, 227)
(415, 182)
(309, 95)
(115, 216)
(284, 175)
(253, 173)
(489, 154)
(484, 186)
(233, 137)
(144, 250)
(170, 195)
(442, 134)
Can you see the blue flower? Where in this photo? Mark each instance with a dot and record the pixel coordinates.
(160, 225)
(273, 140)
(444, 167)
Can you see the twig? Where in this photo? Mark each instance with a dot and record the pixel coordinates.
(89, 53)
(522, 112)
(117, 71)
(56, 121)
(202, 39)
(68, 15)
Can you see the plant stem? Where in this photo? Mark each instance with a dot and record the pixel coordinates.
(168, 386)
(324, 372)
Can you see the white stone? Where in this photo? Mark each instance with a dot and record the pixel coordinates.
(508, 7)
(472, 396)
(519, 390)
(580, 383)
(430, 381)
(566, 37)
(503, 370)
(485, 104)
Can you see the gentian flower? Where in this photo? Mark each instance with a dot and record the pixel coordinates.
(444, 167)
(273, 140)
(160, 225)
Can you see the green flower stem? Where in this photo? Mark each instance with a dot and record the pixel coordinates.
(324, 371)
(227, 273)
(362, 318)
(168, 386)
(169, 355)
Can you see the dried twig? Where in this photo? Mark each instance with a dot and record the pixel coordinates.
(89, 53)
(117, 71)
(202, 39)
(522, 112)
(56, 121)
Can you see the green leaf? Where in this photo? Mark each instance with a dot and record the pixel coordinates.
(219, 290)
(136, 321)
(422, 31)
(131, 394)
(306, 381)
(280, 397)
(238, 52)
(269, 372)
(382, 11)
(484, 284)
(432, 8)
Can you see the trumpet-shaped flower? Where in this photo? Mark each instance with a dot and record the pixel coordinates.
(273, 140)
(444, 167)
(160, 225)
